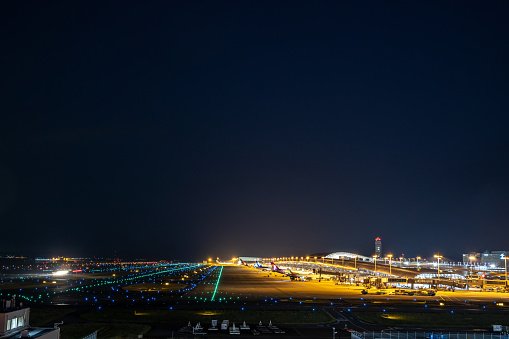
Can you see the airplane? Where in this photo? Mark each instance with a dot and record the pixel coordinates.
(277, 269)
(243, 263)
(292, 275)
(287, 272)
(258, 265)
(301, 275)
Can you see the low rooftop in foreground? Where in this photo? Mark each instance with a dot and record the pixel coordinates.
(41, 333)
(14, 323)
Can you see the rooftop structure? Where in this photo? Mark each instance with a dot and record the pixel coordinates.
(14, 321)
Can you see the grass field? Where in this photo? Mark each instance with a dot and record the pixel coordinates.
(151, 287)
(105, 330)
(42, 316)
(26, 284)
(441, 319)
(183, 316)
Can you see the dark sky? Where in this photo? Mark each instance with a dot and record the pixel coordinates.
(189, 129)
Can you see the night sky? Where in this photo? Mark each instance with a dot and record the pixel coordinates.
(189, 129)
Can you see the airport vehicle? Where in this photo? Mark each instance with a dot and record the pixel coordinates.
(402, 292)
(412, 292)
(500, 329)
(379, 292)
(425, 292)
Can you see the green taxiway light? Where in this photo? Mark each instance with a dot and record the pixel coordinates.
(217, 284)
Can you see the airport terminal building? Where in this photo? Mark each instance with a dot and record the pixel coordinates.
(488, 258)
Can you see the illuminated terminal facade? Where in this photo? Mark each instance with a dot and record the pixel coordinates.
(488, 258)
(348, 256)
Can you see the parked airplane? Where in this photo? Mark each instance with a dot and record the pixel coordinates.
(287, 272)
(277, 269)
(258, 265)
(292, 275)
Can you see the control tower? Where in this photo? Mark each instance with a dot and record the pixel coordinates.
(378, 247)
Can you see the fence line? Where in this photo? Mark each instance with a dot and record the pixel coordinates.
(427, 335)
(91, 336)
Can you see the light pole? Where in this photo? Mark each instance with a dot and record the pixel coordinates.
(374, 259)
(438, 257)
(390, 264)
(505, 261)
(472, 258)
(505, 264)
(355, 257)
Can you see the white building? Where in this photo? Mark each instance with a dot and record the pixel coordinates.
(14, 323)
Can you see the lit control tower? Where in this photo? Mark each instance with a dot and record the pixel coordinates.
(378, 247)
